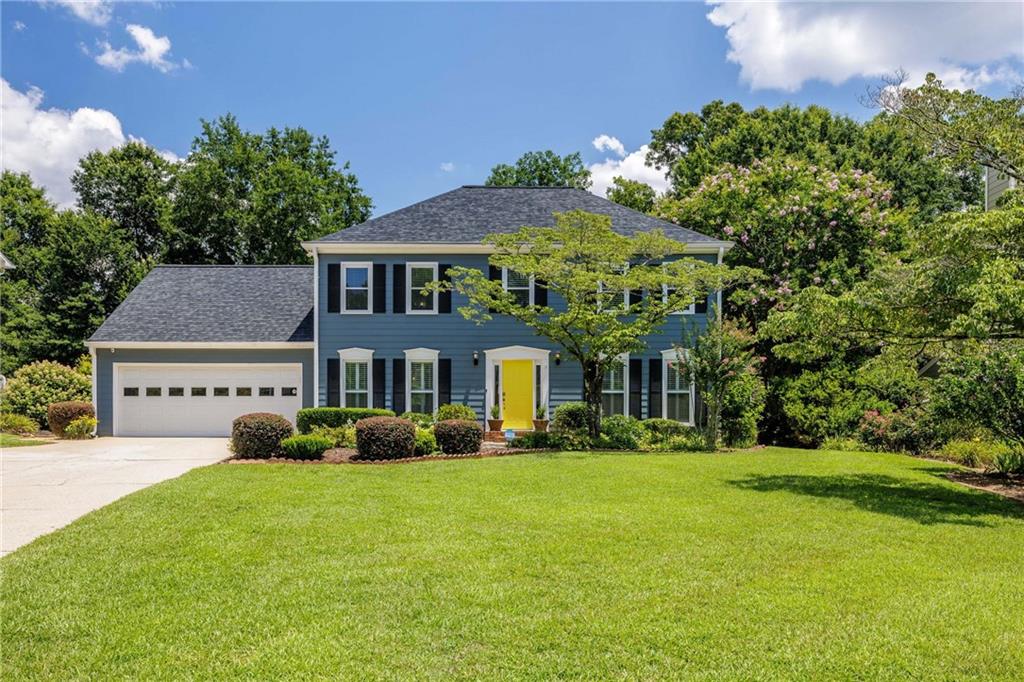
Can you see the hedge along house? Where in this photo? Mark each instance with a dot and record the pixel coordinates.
(355, 330)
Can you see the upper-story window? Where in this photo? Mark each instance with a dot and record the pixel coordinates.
(421, 301)
(667, 291)
(519, 285)
(356, 287)
(613, 300)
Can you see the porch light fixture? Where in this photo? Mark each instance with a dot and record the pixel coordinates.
(476, 358)
(558, 357)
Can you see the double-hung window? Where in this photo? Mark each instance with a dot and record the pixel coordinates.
(421, 301)
(613, 388)
(678, 391)
(356, 381)
(667, 292)
(519, 285)
(421, 380)
(356, 287)
(613, 300)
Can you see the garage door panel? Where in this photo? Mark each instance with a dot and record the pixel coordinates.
(200, 400)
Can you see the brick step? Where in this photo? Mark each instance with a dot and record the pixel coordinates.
(499, 436)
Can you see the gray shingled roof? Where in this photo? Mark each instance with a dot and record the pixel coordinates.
(177, 303)
(467, 214)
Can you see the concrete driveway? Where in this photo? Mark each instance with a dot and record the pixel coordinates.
(48, 486)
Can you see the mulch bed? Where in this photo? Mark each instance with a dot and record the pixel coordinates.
(1011, 486)
(346, 456)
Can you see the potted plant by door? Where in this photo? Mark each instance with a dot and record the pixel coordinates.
(541, 422)
(495, 422)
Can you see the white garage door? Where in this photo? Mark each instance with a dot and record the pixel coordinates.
(153, 399)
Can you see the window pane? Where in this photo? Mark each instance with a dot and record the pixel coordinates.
(153, 391)
(422, 402)
(357, 299)
(614, 378)
(422, 378)
(266, 391)
(289, 391)
(355, 400)
(522, 296)
(421, 276)
(517, 280)
(355, 376)
(678, 406)
(220, 391)
(243, 391)
(132, 392)
(176, 391)
(198, 391)
(420, 300)
(357, 278)
(674, 379)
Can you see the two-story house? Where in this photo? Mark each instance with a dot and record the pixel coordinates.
(193, 347)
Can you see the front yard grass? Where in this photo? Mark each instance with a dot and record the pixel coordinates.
(768, 564)
(10, 441)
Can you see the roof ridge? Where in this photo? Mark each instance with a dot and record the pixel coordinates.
(521, 187)
(222, 265)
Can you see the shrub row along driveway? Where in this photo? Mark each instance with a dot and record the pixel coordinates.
(51, 485)
(775, 564)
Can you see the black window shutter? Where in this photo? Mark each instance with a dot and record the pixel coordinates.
(540, 292)
(636, 378)
(378, 381)
(635, 297)
(494, 274)
(380, 288)
(398, 289)
(701, 305)
(333, 288)
(444, 298)
(333, 382)
(398, 384)
(444, 381)
(654, 389)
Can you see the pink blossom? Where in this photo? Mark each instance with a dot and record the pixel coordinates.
(744, 238)
(728, 229)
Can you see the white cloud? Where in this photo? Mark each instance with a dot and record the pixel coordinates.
(19, 26)
(47, 143)
(783, 45)
(152, 50)
(631, 165)
(95, 12)
(447, 166)
(608, 143)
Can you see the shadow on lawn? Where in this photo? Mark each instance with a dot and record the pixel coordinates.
(925, 503)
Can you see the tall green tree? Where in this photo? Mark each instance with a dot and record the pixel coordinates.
(245, 197)
(542, 169)
(634, 194)
(131, 186)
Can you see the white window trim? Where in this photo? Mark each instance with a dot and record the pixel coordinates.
(624, 359)
(408, 289)
(360, 355)
(668, 356)
(369, 288)
(689, 310)
(625, 295)
(504, 283)
(419, 355)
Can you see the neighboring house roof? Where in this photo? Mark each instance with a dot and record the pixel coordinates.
(215, 303)
(5, 263)
(467, 214)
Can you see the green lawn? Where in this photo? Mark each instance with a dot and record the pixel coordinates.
(10, 441)
(774, 564)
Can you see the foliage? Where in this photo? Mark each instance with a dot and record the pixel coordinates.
(715, 361)
(458, 436)
(310, 417)
(581, 261)
(18, 424)
(35, 387)
(426, 443)
(742, 408)
(541, 414)
(455, 411)
(622, 432)
(340, 436)
(975, 453)
(571, 416)
(258, 435)
(842, 445)
(542, 169)
(80, 428)
(905, 430)
(247, 197)
(984, 386)
(659, 429)
(422, 421)
(690, 440)
(385, 438)
(496, 411)
(1009, 462)
(60, 415)
(537, 440)
(306, 446)
(633, 194)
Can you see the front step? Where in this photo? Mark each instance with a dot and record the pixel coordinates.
(499, 436)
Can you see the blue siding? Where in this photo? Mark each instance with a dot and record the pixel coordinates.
(105, 360)
(389, 334)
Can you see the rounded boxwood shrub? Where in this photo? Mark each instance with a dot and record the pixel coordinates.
(258, 435)
(572, 416)
(60, 415)
(309, 417)
(306, 446)
(458, 436)
(622, 432)
(80, 428)
(385, 438)
(426, 444)
(35, 387)
(455, 411)
(422, 421)
(18, 424)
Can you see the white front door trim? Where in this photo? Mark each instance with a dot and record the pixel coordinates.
(493, 358)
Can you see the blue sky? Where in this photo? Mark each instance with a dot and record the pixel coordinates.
(424, 97)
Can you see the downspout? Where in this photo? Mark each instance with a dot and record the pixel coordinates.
(316, 328)
(95, 407)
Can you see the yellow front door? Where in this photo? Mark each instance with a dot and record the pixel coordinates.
(517, 394)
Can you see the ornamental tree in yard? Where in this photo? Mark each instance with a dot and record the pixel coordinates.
(588, 270)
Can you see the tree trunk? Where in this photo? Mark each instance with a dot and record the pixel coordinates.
(593, 379)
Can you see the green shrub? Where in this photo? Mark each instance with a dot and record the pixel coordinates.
(308, 417)
(906, 430)
(455, 411)
(741, 410)
(571, 417)
(35, 387)
(975, 453)
(659, 429)
(80, 428)
(426, 444)
(1009, 462)
(60, 415)
(340, 436)
(842, 445)
(690, 440)
(537, 440)
(458, 436)
(622, 432)
(258, 435)
(306, 446)
(422, 421)
(573, 441)
(385, 438)
(17, 424)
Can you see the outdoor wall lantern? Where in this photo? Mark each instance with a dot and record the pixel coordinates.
(476, 358)
(558, 357)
